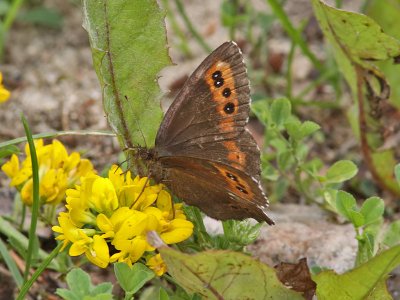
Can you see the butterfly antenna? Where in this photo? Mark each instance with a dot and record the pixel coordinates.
(141, 192)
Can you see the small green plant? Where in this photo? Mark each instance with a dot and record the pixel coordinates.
(80, 287)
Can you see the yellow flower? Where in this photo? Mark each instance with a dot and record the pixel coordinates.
(95, 248)
(157, 264)
(118, 212)
(4, 93)
(58, 171)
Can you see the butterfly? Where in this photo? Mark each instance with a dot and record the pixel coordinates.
(203, 153)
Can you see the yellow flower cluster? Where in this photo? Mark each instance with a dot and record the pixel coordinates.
(4, 93)
(114, 215)
(58, 171)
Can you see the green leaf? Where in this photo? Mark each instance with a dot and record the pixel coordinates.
(308, 128)
(240, 233)
(261, 110)
(129, 49)
(341, 171)
(392, 234)
(79, 282)
(358, 41)
(8, 150)
(285, 160)
(345, 203)
(80, 287)
(293, 129)
(132, 279)
(163, 295)
(102, 288)
(372, 209)
(397, 173)
(360, 282)
(225, 275)
(387, 14)
(280, 111)
(4, 7)
(42, 16)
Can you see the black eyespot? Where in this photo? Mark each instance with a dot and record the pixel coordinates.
(229, 108)
(226, 92)
(231, 176)
(219, 82)
(216, 75)
(240, 189)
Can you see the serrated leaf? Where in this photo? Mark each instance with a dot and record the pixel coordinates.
(372, 209)
(225, 275)
(357, 41)
(280, 111)
(345, 203)
(129, 49)
(361, 282)
(132, 279)
(341, 171)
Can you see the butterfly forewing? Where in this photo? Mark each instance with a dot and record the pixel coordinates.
(203, 141)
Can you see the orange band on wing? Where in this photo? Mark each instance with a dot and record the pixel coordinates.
(220, 80)
(236, 184)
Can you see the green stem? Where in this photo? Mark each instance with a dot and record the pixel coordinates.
(23, 216)
(175, 27)
(27, 285)
(35, 205)
(11, 265)
(11, 14)
(289, 71)
(293, 33)
(55, 134)
(190, 26)
(324, 76)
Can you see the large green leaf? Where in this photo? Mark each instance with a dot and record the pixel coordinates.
(129, 49)
(363, 282)
(225, 275)
(387, 14)
(357, 40)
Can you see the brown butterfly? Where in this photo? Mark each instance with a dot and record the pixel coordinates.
(203, 152)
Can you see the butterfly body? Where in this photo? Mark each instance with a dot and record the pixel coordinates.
(203, 153)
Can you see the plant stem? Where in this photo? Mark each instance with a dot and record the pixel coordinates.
(175, 27)
(55, 134)
(294, 34)
(289, 71)
(35, 204)
(27, 285)
(190, 26)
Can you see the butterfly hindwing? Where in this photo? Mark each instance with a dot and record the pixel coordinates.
(221, 191)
